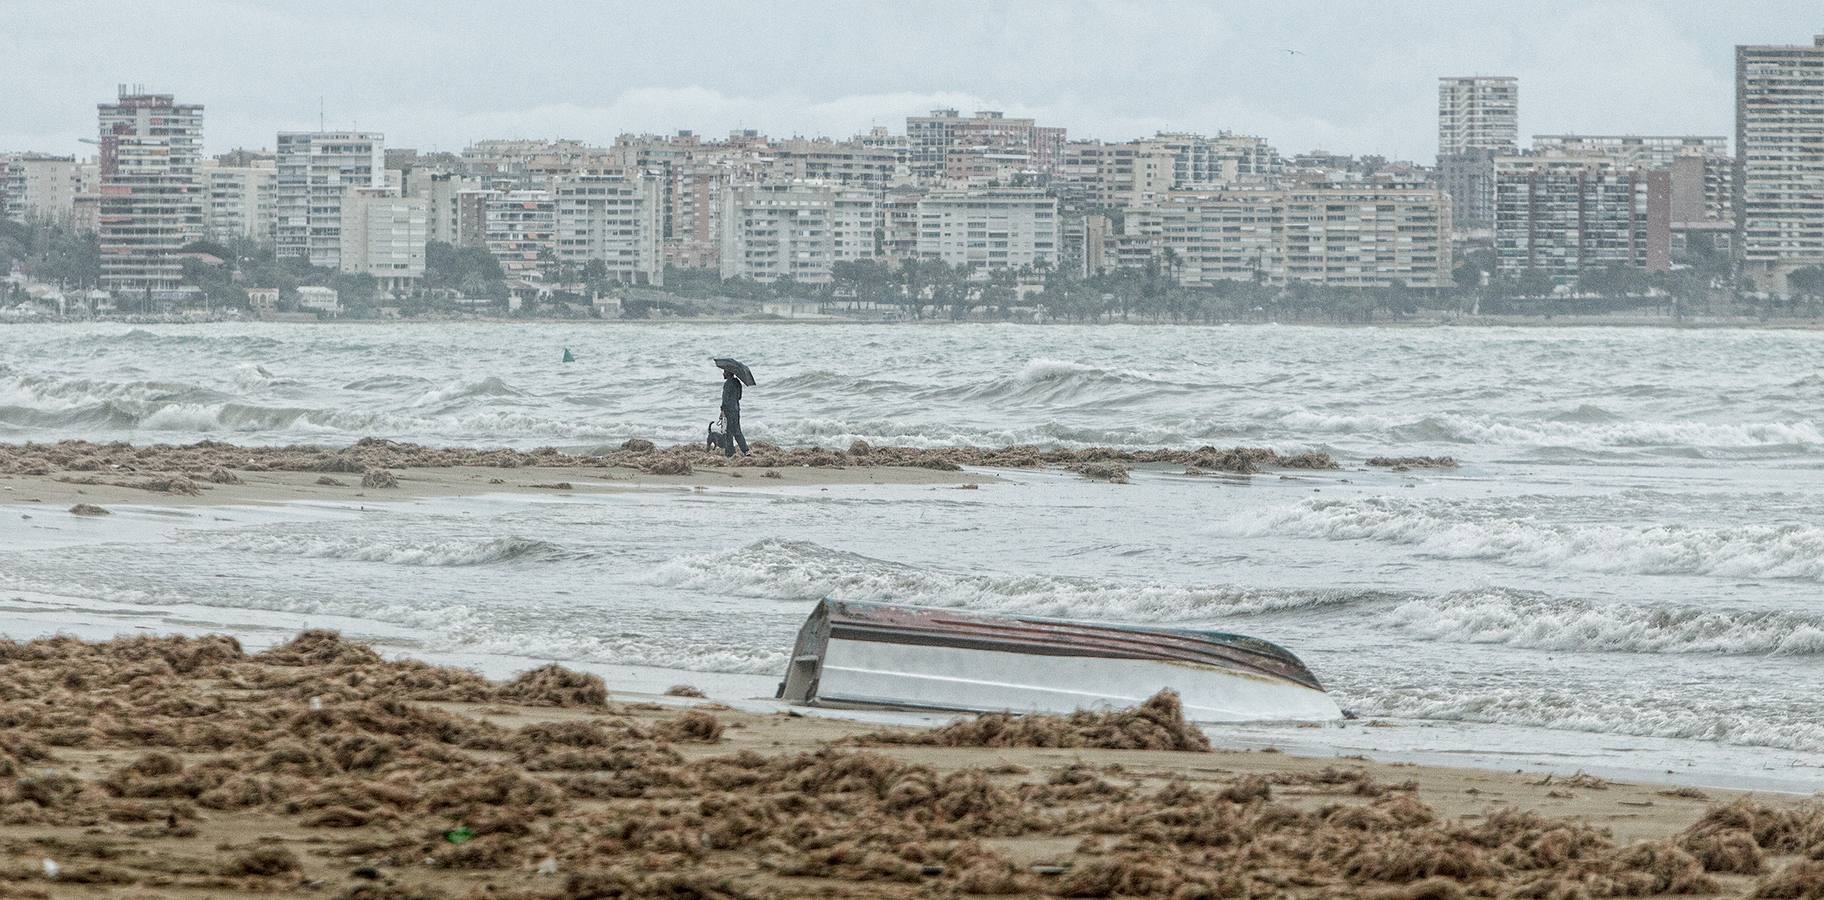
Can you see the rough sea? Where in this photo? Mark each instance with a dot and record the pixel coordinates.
(1626, 573)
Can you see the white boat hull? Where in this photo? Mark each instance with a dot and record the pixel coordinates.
(877, 655)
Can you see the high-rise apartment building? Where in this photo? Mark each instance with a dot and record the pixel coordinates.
(615, 220)
(151, 195)
(1702, 177)
(996, 228)
(1478, 120)
(240, 200)
(795, 230)
(383, 234)
(315, 169)
(1478, 113)
(1779, 160)
(520, 228)
(1567, 215)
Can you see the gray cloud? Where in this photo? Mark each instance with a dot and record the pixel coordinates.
(439, 74)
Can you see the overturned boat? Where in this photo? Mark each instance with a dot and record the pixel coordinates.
(852, 653)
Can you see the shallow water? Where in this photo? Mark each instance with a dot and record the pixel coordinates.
(1633, 547)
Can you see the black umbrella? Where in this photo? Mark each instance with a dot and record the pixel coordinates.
(727, 364)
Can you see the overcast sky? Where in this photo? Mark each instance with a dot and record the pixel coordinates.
(436, 75)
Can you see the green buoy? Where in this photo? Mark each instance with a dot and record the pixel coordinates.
(568, 357)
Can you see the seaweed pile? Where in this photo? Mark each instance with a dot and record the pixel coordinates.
(193, 468)
(173, 764)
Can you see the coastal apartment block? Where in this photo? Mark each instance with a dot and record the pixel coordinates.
(151, 193)
(520, 229)
(1336, 234)
(1568, 215)
(240, 200)
(38, 187)
(384, 235)
(1702, 174)
(1779, 160)
(993, 228)
(795, 230)
(614, 219)
(315, 170)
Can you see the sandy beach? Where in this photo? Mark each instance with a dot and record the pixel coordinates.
(186, 767)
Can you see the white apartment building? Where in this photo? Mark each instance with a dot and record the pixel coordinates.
(1478, 113)
(39, 187)
(1779, 160)
(519, 228)
(996, 228)
(1350, 234)
(151, 195)
(1337, 234)
(240, 200)
(383, 235)
(1478, 119)
(795, 230)
(614, 219)
(315, 169)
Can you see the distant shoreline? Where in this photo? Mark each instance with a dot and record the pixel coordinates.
(1690, 323)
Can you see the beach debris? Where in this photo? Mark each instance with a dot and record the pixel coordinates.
(683, 690)
(263, 862)
(637, 445)
(771, 473)
(554, 685)
(216, 729)
(1113, 473)
(220, 475)
(673, 464)
(553, 486)
(327, 481)
(1156, 724)
(694, 726)
(1403, 463)
(316, 704)
(89, 509)
(49, 867)
(859, 447)
(379, 478)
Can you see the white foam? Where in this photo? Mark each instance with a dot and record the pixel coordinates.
(392, 552)
(1548, 623)
(1450, 530)
(801, 571)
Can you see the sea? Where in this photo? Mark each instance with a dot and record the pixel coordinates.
(1624, 574)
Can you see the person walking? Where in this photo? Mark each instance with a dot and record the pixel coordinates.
(731, 413)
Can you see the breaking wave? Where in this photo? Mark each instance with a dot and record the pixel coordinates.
(1542, 622)
(803, 571)
(1444, 530)
(1670, 716)
(400, 553)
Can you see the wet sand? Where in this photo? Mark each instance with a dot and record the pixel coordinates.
(185, 767)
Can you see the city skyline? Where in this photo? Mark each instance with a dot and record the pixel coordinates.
(1139, 68)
